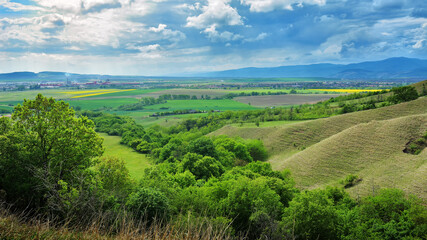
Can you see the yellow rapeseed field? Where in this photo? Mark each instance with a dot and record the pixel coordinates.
(89, 93)
(348, 90)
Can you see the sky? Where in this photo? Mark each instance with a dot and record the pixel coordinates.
(165, 38)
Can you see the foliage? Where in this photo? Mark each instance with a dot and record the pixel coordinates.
(350, 180)
(389, 215)
(145, 101)
(114, 176)
(311, 215)
(47, 159)
(403, 94)
(42, 144)
(148, 204)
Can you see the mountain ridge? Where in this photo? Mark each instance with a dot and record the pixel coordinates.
(390, 68)
(395, 68)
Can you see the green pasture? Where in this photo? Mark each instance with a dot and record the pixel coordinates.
(135, 162)
(19, 96)
(204, 105)
(95, 104)
(6, 108)
(142, 116)
(267, 90)
(135, 93)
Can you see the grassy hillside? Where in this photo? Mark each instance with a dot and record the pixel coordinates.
(298, 136)
(373, 151)
(135, 162)
(367, 143)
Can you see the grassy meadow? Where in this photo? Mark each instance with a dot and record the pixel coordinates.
(135, 162)
(284, 100)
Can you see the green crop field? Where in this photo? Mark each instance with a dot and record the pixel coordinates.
(204, 105)
(132, 93)
(281, 100)
(135, 162)
(142, 116)
(93, 104)
(30, 94)
(191, 92)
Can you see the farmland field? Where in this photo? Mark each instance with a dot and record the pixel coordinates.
(204, 105)
(94, 104)
(346, 90)
(272, 91)
(127, 93)
(282, 100)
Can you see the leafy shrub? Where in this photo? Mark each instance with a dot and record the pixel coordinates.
(350, 180)
(311, 215)
(403, 94)
(148, 204)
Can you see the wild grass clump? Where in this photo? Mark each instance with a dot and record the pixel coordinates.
(21, 226)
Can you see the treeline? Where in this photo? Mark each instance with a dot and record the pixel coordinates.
(354, 96)
(338, 105)
(145, 101)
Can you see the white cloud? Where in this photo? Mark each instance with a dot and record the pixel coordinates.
(419, 44)
(218, 13)
(160, 28)
(260, 37)
(270, 5)
(385, 38)
(18, 6)
(225, 36)
(171, 35)
(69, 23)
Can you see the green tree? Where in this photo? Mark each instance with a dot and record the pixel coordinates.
(114, 176)
(148, 204)
(257, 150)
(44, 143)
(311, 215)
(389, 215)
(203, 146)
(403, 94)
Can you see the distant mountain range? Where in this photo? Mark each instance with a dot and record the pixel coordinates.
(63, 76)
(391, 68)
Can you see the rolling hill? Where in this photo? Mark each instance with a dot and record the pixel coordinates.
(368, 143)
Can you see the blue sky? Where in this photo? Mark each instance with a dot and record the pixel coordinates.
(161, 37)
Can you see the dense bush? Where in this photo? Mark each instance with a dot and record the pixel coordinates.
(403, 94)
(148, 204)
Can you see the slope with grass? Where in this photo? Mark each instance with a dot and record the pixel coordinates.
(373, 151)
(367, 143)
(135, 162)
(298, 136)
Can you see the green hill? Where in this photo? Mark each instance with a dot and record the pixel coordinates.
(367, 143)
(373, 151)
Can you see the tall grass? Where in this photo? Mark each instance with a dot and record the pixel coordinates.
(21, 226)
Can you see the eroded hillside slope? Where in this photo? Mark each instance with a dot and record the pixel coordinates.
(373, 151)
